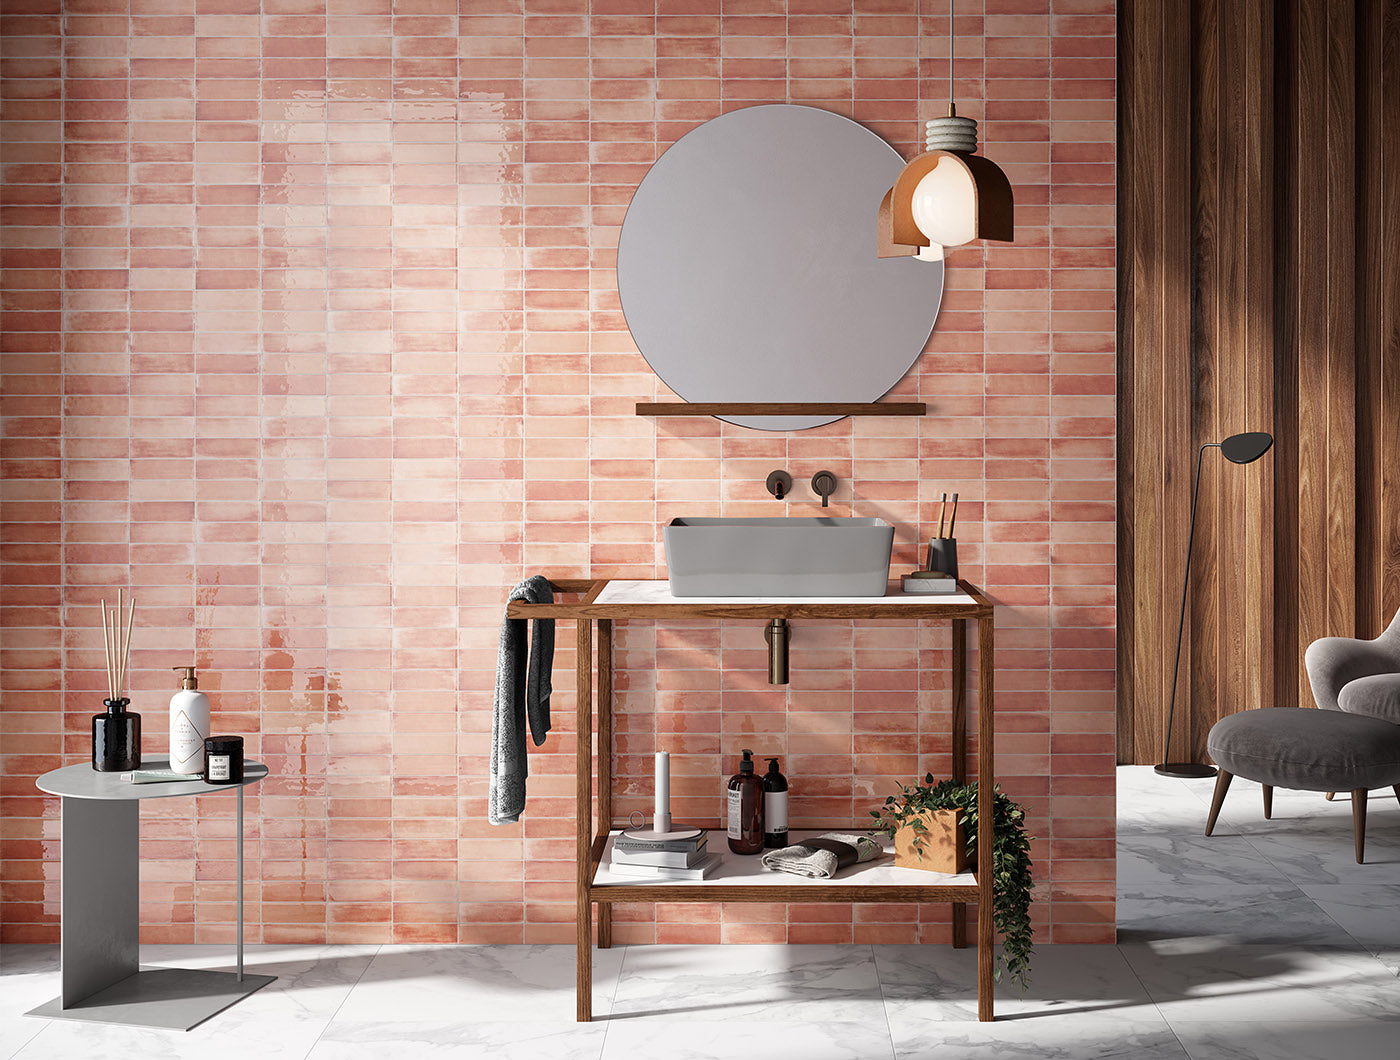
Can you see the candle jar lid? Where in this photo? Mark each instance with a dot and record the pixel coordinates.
(223, 744)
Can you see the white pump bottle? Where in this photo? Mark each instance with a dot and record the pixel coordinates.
(189, 724)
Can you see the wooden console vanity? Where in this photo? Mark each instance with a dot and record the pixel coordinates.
(740, 879)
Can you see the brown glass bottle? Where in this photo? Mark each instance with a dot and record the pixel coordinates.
(745, 809)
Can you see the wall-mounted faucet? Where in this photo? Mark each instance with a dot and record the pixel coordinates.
(824, 485)
(780, 484)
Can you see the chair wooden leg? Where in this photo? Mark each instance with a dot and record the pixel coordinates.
(1222, 785)
(1268, 801)
(1358, 822)
(1331, 795)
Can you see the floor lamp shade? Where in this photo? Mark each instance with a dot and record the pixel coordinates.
(1238, 449)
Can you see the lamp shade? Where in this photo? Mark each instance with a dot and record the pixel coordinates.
(1246, 448)
(945, 198)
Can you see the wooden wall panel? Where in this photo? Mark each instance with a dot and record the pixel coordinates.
(1258, 254)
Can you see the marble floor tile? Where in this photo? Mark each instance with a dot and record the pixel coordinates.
(352, 1039)
(1229, 1040)
(1318, 850)
(1205, 980)
(237, 1033)
(1371, 915)
(932, 983)
(788, 983)
(312, 981)
(768, 1038)
(1034, 1039)
(1228, 914)
(427, 984)
(28, 977)
(1186, 865)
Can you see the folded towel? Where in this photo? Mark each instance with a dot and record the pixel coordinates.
(822, 856)
(515, 701)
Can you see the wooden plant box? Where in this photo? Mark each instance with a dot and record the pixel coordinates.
(944, 845)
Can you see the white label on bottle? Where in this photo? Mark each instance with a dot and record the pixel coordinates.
(775, 811)
(186, 745)
(218, 767)
(736, 811)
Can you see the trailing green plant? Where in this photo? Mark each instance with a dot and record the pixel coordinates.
(1011, 856)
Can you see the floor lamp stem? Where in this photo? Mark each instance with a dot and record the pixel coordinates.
(1167, 767)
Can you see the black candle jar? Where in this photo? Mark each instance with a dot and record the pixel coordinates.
(116, 738)
(223, 760)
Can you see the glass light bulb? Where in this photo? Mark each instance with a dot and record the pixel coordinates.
(944, 204)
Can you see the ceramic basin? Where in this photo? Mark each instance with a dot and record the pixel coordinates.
(778, 557)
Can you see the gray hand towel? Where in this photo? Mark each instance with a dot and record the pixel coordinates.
(822, 856)
(515, 701)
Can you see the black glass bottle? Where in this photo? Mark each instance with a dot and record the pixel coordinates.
(116, 738)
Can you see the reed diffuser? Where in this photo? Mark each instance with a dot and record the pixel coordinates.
(116, 735)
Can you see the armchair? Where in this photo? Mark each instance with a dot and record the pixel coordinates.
(1333, 663)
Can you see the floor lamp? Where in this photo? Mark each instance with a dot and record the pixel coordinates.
(1238, 449)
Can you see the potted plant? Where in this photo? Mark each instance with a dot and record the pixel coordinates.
(907, 818)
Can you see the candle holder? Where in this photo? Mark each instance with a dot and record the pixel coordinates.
(662, 829)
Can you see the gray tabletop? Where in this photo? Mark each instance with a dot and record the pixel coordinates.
(84, 782)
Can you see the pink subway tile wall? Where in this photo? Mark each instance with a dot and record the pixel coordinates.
(312, 343)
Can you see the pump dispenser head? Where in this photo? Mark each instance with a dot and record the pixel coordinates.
(773, 766)
(189, 681)
(746, 766)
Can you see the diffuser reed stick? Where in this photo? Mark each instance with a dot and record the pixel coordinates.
(116, 643)
(107, 653)
(131, 621)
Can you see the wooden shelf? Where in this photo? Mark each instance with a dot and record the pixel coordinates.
(742, 878)
(782, 408)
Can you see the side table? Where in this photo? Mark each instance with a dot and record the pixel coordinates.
(102, 978)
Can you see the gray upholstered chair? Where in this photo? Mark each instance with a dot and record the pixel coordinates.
(1335, 662)
(1351, 744)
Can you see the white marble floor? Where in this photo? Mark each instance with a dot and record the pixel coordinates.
(1265, 942)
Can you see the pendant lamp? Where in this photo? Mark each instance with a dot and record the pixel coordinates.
(949, 195)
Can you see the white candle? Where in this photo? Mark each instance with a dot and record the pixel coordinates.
(662, 809)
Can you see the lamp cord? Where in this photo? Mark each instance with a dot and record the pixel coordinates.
(1181, 622)
(952, 107)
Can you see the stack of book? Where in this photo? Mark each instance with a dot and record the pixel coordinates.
(663, 859)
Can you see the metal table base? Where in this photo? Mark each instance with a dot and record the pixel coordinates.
(102, 979)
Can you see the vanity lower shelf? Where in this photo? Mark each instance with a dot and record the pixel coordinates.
(742, 878)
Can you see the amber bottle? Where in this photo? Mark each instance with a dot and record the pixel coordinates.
(746, 809)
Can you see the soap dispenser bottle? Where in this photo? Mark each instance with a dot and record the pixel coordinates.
(745, 809)
(775, 808)
(189, 724)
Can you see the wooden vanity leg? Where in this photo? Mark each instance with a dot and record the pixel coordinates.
(583, 770)
(985, 751)
(605, 747)
(959, 771)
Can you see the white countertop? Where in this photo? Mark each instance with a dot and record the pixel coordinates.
(659, 592)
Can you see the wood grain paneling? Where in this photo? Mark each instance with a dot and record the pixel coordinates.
(1259, 235)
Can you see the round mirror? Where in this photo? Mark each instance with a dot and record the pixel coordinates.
(747, 269)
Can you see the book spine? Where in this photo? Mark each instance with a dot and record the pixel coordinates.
(674, 859)
(642, 847)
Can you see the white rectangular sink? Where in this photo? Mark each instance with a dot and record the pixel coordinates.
(778, 557)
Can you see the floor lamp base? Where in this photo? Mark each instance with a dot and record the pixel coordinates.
(1185, 770)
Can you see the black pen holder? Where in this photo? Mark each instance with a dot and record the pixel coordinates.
(943, 555)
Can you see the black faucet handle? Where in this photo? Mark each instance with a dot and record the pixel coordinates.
(824, 485)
